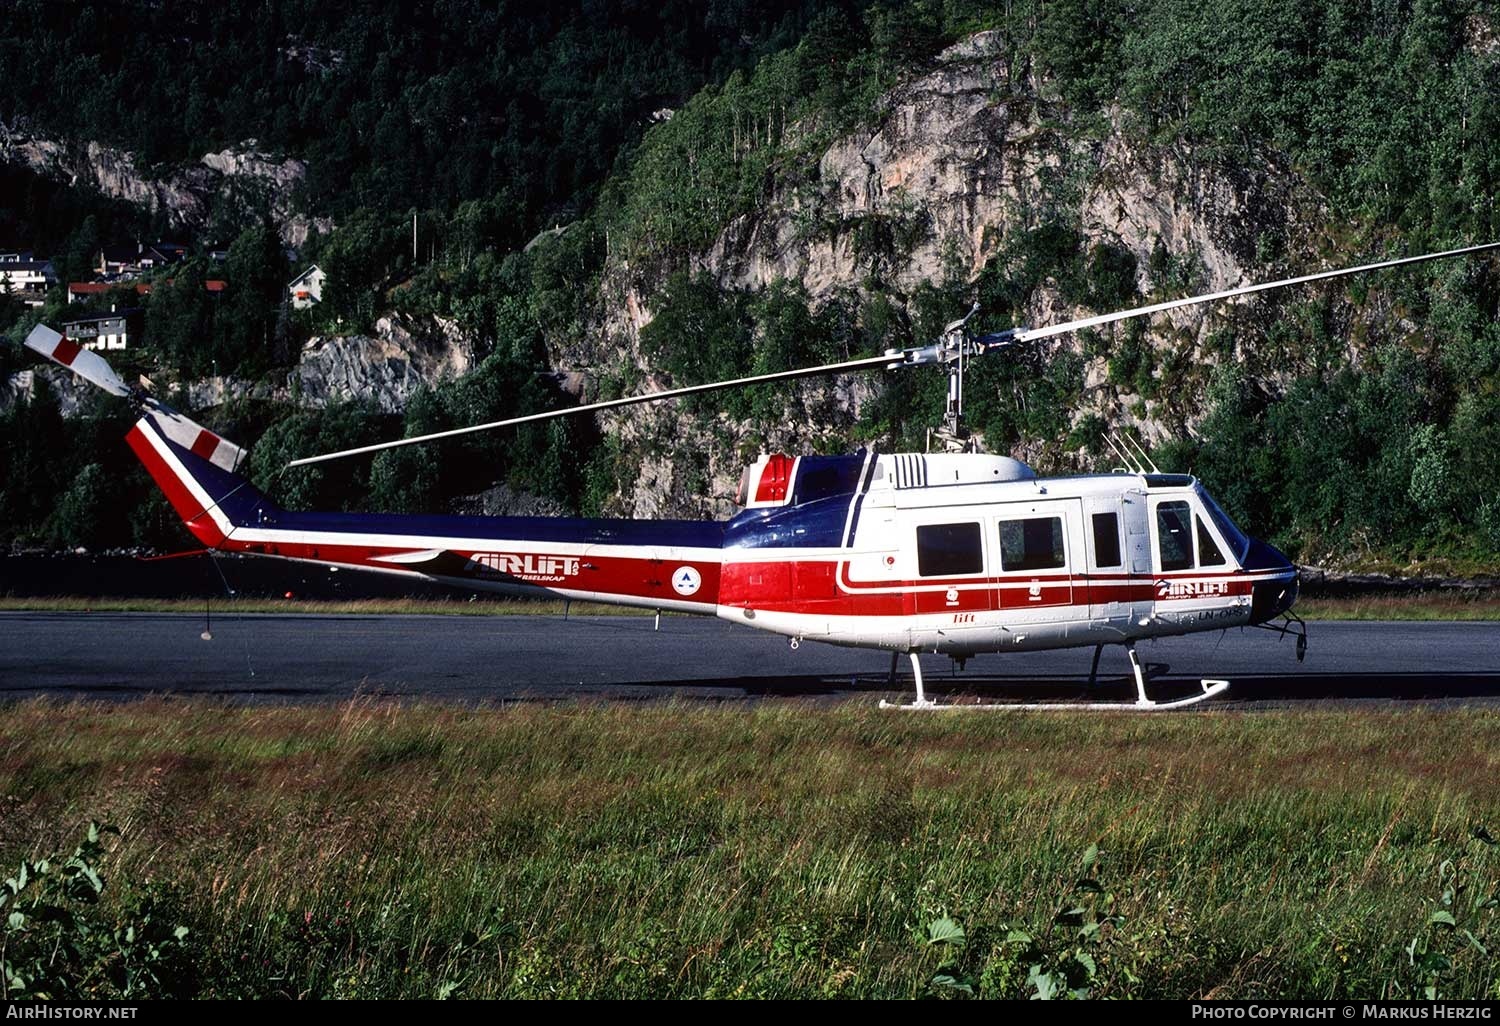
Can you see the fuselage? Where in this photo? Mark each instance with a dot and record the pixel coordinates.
(953, 553)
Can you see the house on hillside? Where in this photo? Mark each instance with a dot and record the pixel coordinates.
(84, 291)
(160, 254)
(118, 260)
(307, 288)
(115, 260)
(27, 279)
(113, 330)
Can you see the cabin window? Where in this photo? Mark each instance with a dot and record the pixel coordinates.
(948, 550)
(1033, 544)
(1106, 539)
(1174, 539)
(1208, 552)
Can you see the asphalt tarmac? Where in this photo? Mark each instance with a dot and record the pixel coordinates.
(282, 658)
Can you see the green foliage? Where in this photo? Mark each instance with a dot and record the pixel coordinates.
(253, 336)
(89, 511)
(1388, 110)
(700, 332)
(72, 481)
(1360, 458)
(339, 484)
(393, 106)
(1062, 958)
(1077, 42)
(718, 154)
(364, 255)
(541, 459)
(183, 322)
(1458, 931)
(61, 943)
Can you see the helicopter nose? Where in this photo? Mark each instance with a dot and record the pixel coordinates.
(1278, 581)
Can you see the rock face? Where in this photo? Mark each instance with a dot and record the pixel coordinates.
(269, 182)
(241, 175)
(385, 369)
(64, 386)
(965, 158)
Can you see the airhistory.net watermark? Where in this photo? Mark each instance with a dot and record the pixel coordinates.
(40, 1011)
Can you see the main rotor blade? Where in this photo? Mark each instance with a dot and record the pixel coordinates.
(916, 356)
(610, 404)
(1142, 311)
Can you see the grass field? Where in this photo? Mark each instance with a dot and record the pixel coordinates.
(374, 850)
(1476, 606)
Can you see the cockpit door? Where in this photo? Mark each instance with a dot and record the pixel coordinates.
(1117, 535)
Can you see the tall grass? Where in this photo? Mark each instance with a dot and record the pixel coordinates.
(376, 849)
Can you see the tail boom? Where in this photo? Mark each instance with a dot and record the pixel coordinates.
(651, 564)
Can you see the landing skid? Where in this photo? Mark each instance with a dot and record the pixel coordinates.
(1141, 703)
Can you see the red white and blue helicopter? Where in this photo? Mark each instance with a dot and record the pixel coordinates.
(955, 552)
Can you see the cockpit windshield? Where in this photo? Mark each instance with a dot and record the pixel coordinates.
(1236, 539)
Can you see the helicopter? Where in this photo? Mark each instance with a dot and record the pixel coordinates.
(950, 551)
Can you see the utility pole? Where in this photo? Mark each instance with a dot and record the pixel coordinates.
(414, 239)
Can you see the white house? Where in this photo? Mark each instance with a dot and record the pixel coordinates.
(27, 279)
(307, 288)
(113, 330)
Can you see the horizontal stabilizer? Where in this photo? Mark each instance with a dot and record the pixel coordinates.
(87, 365)
(415, 559)
(479, 567)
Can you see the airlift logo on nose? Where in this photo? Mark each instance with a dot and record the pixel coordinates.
(1190, 589)
(527, 566)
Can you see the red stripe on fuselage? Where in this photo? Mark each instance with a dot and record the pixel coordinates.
(823, 587)
(621, 576)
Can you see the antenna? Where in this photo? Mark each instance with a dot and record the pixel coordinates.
(1128, 462)
(1144, 456)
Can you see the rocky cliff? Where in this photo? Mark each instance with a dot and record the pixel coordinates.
(965, 158)
(383, 369)
(243, 177)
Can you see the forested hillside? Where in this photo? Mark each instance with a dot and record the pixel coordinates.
(613, 199)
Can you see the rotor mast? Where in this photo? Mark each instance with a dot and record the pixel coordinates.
(954, 350)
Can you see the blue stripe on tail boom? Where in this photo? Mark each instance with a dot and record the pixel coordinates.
(247, 506)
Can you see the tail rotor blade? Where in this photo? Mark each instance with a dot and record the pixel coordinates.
(86, 364)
